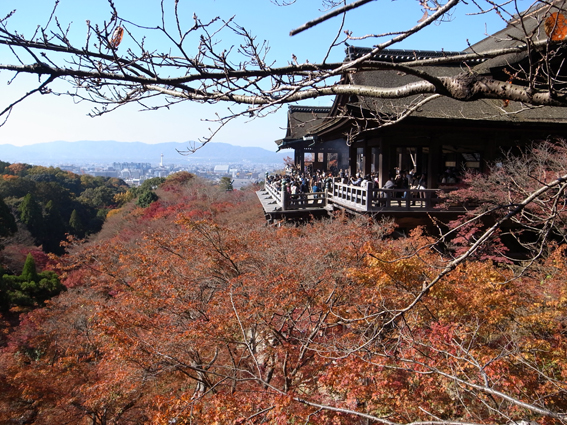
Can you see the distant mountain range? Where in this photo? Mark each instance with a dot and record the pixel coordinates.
(107, 152)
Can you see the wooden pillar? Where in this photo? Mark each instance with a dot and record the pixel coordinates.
(393, 159)
(367, 159)
(383, 162)
(300, 159)
(434, 165)
(352, 159)
(315, 160)
(419, 160)
(375, 155)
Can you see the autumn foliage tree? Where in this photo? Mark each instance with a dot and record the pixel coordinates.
(497, 194)
(193, 311)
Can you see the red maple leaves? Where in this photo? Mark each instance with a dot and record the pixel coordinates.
(226, 320)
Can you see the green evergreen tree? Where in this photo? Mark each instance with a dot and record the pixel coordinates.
(29, 271)
(4, 295)
(31, 216)
(54, 229)
(151, 184)
(30, 288)
(76, 224)
(146, 198)
(3, 166)
(7, 220)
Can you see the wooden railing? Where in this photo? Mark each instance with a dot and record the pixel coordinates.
(353, 197)
(359, 198)
(406, 199)
(288, 202)
(305, 200)
(274, 192)
(371, 198)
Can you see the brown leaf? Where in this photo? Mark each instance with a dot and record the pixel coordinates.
(556, 26)
(117, 37)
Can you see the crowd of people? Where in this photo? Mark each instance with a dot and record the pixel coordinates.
(407, 188)
(297, 183)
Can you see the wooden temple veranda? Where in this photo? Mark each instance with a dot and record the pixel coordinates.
(408, 207)
(378, 136)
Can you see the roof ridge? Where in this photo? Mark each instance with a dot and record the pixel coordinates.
(399, 54)
(315, 109)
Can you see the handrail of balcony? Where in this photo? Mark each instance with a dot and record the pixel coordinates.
(359, 198)
(288, 202)
(273, 191)
(371, 198)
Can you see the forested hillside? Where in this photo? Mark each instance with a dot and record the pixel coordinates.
(47, 203)
(192, 310)
(40, 210)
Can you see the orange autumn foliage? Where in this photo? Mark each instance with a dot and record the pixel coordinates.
(556, 26)
(17, 169)
(177, 319)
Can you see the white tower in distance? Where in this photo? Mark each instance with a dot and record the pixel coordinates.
(161, 162)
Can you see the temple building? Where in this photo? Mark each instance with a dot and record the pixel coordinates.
(430, 134)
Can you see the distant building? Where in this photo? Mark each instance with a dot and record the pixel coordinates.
(142, 166)
(104, 173)
(221, 169)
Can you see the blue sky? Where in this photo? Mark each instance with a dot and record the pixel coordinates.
(45, 118)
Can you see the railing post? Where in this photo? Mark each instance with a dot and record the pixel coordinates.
(283, 196)
(369, 191)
